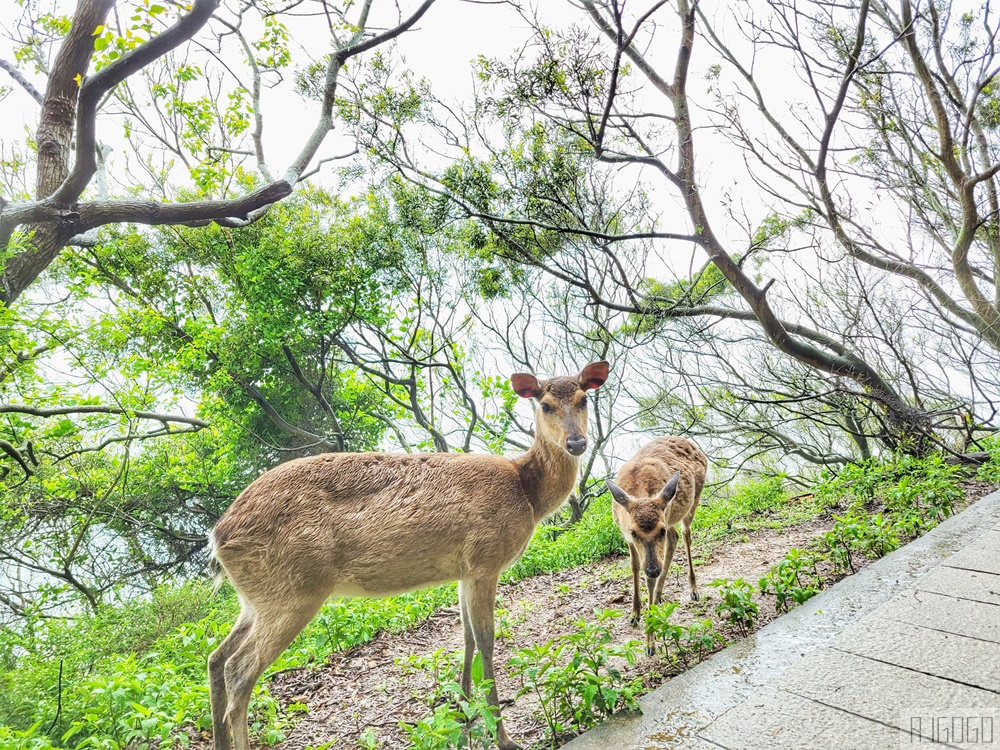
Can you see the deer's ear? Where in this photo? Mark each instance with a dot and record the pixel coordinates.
(670, 488)
(620, 496)
(526, 385)
(593, 375)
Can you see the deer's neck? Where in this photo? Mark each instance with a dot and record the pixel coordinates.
(548, 476)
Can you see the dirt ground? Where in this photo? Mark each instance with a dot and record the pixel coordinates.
(365, 687)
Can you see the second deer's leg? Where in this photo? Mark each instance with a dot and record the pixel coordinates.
(481, 600)
(668, 560)
(651, 586)
(272, 632)
(470, 638)
(686, 526)
(636, 601)
(217, 678)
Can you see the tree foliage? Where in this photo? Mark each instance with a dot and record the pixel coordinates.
(797, 275)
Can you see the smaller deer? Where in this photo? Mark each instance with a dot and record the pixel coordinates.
(659, 487)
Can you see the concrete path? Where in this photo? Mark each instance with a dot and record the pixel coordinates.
(904, 654)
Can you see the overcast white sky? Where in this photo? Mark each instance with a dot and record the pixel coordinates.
(440, 48)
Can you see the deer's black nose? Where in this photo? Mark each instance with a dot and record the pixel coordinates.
(653, 571)
(576, 445)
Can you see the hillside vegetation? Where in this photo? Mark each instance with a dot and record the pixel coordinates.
(134, 676)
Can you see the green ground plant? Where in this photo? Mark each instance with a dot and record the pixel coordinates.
(990, 471)
(554, 548)
(857, 536)
(736, 605)
(749, 505)
(455, 722)
(680, 645)
(574, 676)
(701, 639)
(667, 634)
(792, 581)
(887, 503)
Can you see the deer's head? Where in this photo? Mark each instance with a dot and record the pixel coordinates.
(561, 416)
(644, 522)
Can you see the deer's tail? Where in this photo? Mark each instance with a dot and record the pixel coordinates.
(214, 566)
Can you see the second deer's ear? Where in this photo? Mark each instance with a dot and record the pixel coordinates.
(525, 385)
(670, 488)
(594, 375)
(620, 496)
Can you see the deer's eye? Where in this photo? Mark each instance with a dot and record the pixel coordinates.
(634, 535)
(663, 533)
(582, 403)
(546, 408)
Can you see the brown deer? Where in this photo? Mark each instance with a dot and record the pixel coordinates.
(659, 487)
(379, 524)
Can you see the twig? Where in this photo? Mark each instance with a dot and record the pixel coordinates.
(59, 704)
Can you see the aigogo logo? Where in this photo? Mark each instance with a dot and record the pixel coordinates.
(971, 729)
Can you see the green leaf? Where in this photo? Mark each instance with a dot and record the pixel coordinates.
(63, 427)
(477, 669)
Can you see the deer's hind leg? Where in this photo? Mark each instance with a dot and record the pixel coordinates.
(470, 638)
(217, 679)
(273, 629)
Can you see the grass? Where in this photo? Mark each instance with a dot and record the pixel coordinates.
(752, 505)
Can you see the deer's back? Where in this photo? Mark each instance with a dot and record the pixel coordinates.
(648, 470)
(376, 523)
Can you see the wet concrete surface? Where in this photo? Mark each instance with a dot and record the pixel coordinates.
(824, 677)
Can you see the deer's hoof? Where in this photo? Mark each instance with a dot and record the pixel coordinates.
(650, 650)
(636, 617)
(694, 596)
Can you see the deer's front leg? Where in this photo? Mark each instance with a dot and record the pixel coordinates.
(668, 559)
(636, 601)
(480, 601)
